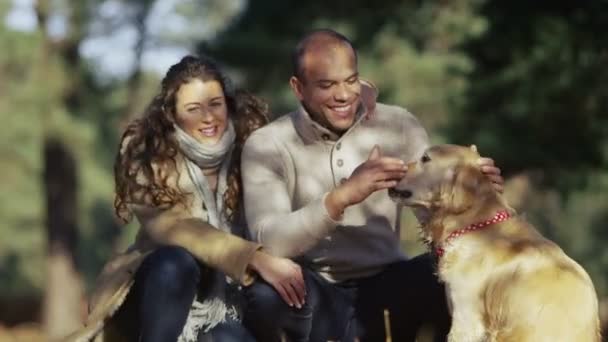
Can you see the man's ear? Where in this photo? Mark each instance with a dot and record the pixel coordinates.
(296, 87)
(465, 187)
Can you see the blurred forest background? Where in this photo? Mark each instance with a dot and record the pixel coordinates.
(527, 81)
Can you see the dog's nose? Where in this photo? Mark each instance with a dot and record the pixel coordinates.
(393, 192)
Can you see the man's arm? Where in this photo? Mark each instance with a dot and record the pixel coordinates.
(268, 206)
(269, 209)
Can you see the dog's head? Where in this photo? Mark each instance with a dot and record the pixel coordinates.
(446, 177)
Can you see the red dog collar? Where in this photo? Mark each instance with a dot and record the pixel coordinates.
(500, 216)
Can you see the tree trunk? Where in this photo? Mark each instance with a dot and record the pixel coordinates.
(62, 311)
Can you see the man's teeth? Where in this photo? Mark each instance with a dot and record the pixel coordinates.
(342, 109)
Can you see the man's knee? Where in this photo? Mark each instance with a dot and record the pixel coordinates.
(264, 300)
(269, 317)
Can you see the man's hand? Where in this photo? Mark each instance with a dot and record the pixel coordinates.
(488, 168)
(283, 274)
(376, 173)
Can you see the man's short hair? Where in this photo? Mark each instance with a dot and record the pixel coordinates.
(301, 47)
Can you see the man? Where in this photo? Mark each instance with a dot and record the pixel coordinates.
(314, 186)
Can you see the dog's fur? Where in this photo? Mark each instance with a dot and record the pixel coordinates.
(505, 282)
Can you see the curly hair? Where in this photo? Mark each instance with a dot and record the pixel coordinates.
(148, 150)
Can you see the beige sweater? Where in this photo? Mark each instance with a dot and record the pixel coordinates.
(290, 165)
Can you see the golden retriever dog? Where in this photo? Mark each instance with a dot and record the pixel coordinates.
(504, 280)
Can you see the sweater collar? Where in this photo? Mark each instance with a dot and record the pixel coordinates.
(313, 131)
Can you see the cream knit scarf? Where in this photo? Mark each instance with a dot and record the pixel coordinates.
(212, 310)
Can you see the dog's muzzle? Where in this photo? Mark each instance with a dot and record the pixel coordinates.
(395, 193)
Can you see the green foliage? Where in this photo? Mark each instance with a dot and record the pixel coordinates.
(416, 65)
(28, 110)
(20, 193)
(539, 87)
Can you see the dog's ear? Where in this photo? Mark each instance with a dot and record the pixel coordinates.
(467, 180)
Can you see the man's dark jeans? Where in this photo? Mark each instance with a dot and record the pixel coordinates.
(408, 290)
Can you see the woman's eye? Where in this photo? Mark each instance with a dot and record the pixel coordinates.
(425, 158)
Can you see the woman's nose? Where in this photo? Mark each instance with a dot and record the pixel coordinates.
(206, 115)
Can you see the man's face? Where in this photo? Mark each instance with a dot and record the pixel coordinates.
(329, 89)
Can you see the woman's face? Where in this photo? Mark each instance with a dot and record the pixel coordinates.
(201, 111)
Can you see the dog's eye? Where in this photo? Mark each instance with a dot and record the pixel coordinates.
(425, 158)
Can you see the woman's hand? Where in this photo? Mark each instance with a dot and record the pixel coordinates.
(283, 274)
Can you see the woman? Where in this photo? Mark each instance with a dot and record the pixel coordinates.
(178, 171)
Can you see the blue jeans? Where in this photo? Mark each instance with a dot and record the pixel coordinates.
(324, 316)
(408, 290)
(157, 306)
(230, 331)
